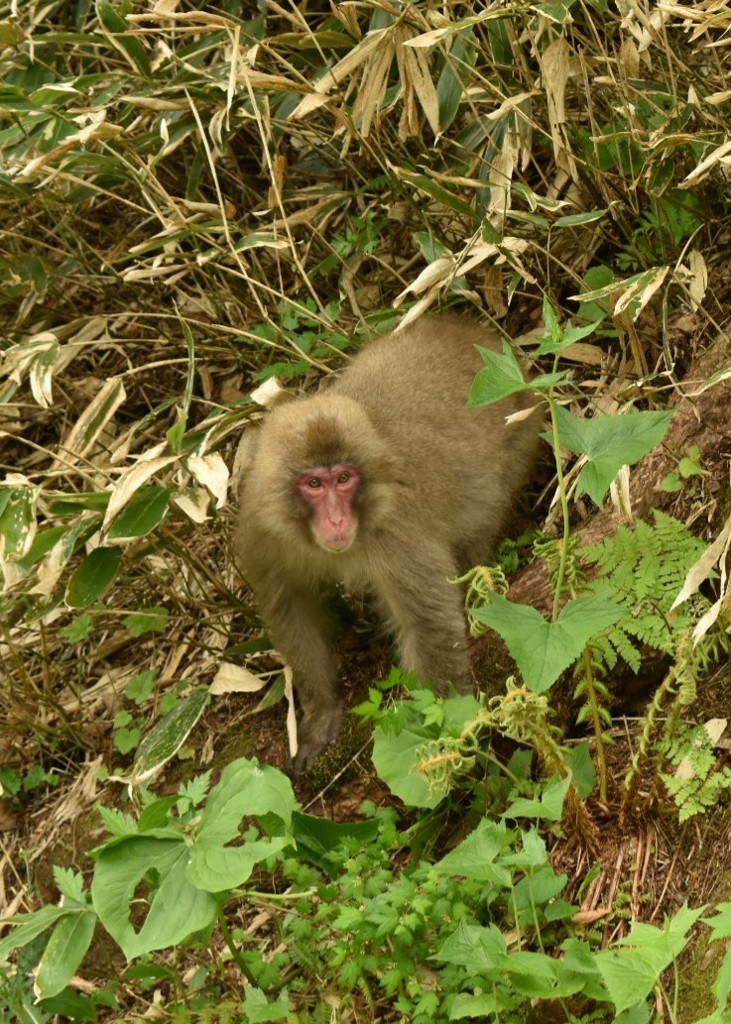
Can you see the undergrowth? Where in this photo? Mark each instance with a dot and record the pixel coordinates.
(196, 201)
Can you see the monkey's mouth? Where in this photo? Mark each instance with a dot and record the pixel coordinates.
(335, 545)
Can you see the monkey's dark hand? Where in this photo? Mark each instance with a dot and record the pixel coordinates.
(314, 731)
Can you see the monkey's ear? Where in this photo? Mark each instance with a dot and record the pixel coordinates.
(243, 458)
(269, 394)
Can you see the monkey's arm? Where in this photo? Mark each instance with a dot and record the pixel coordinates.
(426, 614)
(301, 628)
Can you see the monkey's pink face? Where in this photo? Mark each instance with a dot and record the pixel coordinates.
(330, 493)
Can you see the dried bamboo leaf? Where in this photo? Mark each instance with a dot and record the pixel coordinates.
(341, 71)
(90, 424)
(372, 88)
(416, 75)
(557, 67)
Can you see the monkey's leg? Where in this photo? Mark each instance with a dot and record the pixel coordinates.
(301, 629)
(426, 614)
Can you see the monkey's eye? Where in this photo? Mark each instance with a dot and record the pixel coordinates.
(343, 478)
(313, 483)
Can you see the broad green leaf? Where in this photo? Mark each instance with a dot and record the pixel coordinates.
(533, 974)
(261, 1010)
(216, 868)
(147, 620)
(720, 924)
(394, 758)
(578, 959)
(538, 888)
(609, 442)
(485, 1006)
(155, 816)
(581, 765)
(541, 649)
(95, 574)
(43, 542)
(405, 730)
(480, 856)
(548, 806)
(599, 276)
(27, 927)
(142, 514)
(558, 13)
(70, 504)
(131, 481)
(503, 376)
(631, 970)
(722, 984)
(564, 338)
(67, 544)
(316, 836)
(246, 788)
(475, 947)
(66, 948)
(171, 912)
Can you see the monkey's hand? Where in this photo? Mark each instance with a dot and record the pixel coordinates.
(314, 731)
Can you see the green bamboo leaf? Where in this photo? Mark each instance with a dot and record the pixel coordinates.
(454, 77)
(17, 519)
(168, 736)
(442, 195)
(93, 577)
(571, 220)
(66, 948)
(144, 512)
(117, 31)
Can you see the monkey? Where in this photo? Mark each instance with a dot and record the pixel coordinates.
(386, 482)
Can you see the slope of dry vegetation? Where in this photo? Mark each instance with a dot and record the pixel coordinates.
(195, 200)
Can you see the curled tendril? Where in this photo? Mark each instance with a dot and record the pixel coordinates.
(481, 581)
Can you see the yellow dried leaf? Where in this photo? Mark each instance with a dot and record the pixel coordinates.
(414, 69)
(90, 424)
(372, 89)
(232, 678)
(640, 291)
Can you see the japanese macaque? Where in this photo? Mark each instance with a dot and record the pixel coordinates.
(388, 483)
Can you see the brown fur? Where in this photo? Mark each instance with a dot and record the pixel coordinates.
(438, 481)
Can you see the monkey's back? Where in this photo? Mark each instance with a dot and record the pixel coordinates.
(463, 464)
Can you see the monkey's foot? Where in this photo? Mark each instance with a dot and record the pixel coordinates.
(315, 731)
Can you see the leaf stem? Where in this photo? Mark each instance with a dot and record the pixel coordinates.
(226, 932)
(564, 504)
